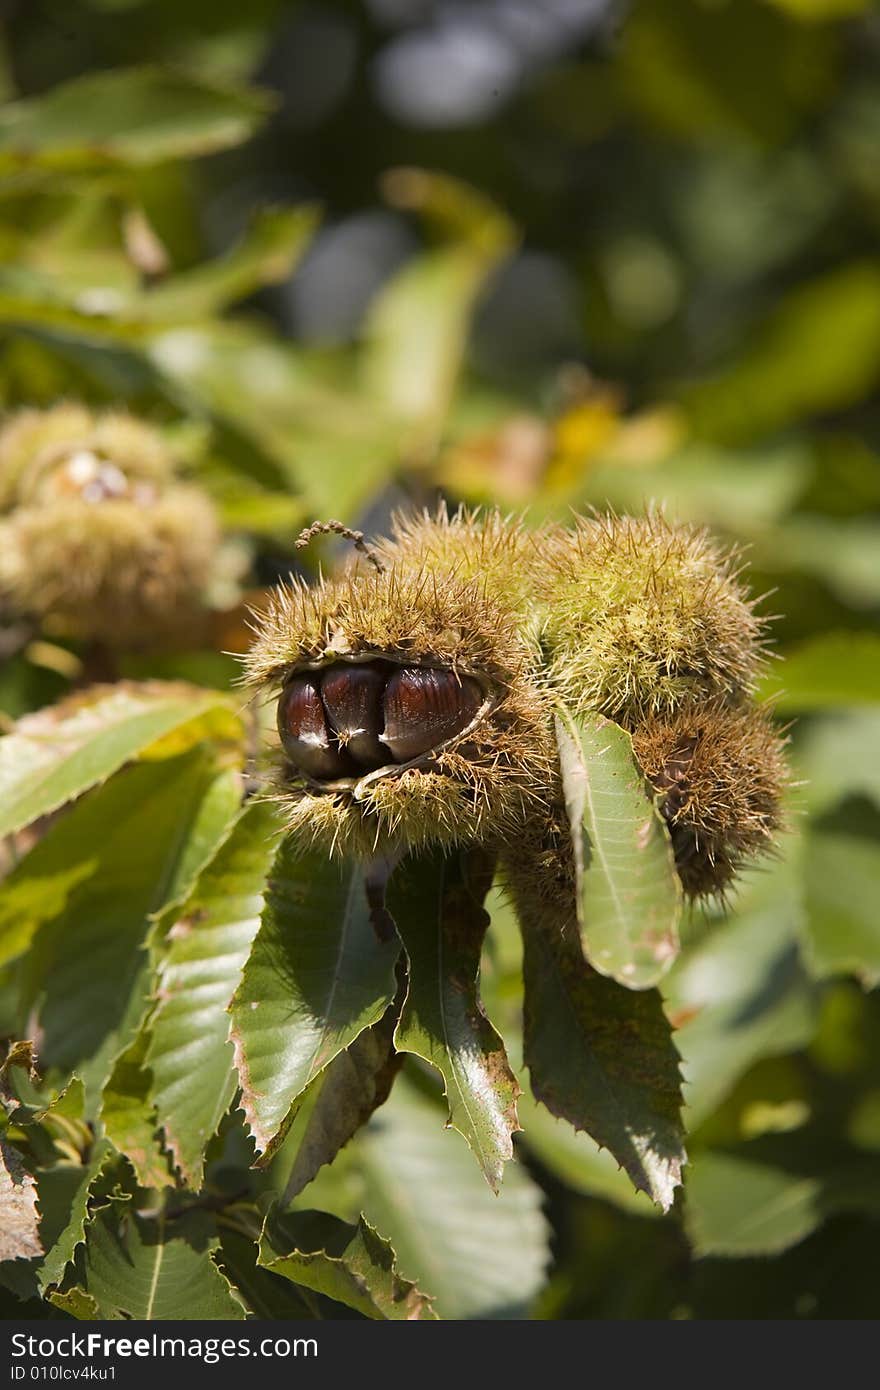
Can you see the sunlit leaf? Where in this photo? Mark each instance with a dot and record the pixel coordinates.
(56, 754)
(627, 891)
(317, 976)
(128, 1115)
(206, 945)
(143, 836)
(818, 351)
(44, 882)
(437, 905)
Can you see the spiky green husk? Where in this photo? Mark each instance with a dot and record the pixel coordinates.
(30, 434)
(117, 573)
(720, 774)
(440, 599)
(641, 617)
(638, 619)
(127, 570)
(34, 442)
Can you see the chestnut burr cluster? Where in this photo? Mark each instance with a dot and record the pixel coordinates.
(351, 718)
(417, 692)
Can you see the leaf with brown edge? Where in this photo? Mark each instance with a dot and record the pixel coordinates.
(51, 757)
(202, 950)
(627, 891)
(316, 977)
(437, 905)
(19, 1228)
(342, 1099)
(602, 1057)
(129, 1115)
(351, 1264)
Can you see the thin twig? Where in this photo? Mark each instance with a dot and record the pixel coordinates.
(337, 528)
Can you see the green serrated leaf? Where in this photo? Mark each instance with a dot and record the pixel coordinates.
(135, 116)
(128, 1115)
(59, 869)
(63, 1193)
(602, 1057)
(351, 1264)
(58, 753)
(77, 1303)
(144, 834)
(317, 976)
(341, 1100)
(200, 965)
(628, 893)
(155, 1267)
(576, 1159)
(437, 906)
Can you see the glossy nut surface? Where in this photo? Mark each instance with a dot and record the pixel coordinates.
(304, 735)
(424, 707)
(352, 698)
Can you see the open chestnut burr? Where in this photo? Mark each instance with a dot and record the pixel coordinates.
(352, 718)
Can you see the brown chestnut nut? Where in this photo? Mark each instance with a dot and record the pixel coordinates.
(352, 697)
(303, 730)
(424, 707)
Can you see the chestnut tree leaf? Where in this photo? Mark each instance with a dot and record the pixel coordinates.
(63, 1194)
(200, 963)
(19, 1230)
(318, 974)
(349, 1263)
(144, 837)
(437, 906)
(628, 894)
(148, 1266)
(128, 1115)
(58, 753)
(341, 1100)
(602, 1057)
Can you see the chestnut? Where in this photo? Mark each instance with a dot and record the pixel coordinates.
(424, 707)
(304, 734)
(352, 697)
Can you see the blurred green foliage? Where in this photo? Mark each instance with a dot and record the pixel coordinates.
(646, 270)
